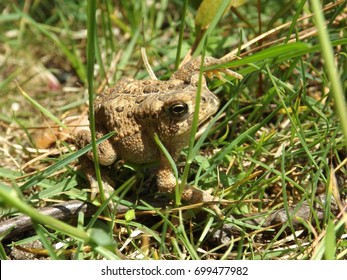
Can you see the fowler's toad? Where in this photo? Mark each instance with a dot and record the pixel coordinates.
(136, 110)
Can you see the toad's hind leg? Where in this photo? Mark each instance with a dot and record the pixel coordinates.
(106, 155)
(194, 65)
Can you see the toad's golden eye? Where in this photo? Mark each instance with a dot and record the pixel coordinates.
(178, 109)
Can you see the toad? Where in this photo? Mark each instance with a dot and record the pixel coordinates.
(137, 109)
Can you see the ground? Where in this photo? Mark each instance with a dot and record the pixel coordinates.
(277, 142)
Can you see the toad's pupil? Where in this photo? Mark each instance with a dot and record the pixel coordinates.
(179, 109)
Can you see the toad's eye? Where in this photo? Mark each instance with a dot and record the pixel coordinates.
(178, 109)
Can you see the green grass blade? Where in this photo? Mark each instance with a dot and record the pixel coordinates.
(40, 108)
(60, 164)
(334, 77)
(10, 198)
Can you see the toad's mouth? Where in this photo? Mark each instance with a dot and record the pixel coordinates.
(203, 126)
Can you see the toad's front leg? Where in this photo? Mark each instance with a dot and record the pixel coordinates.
(167, 184)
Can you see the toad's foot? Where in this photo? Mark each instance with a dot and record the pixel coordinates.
(194, 195)
(167, 184)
